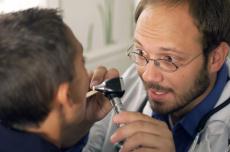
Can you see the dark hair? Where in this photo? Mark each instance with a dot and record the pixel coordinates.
(36, 56)
(212, 17)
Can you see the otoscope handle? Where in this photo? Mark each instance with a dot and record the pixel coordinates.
(117, 105)
(114, 90)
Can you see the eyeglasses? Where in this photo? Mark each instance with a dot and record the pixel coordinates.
(166, 63)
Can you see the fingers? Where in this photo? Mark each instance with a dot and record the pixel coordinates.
(97, 104)
(141, 140)
(144, 149)
(112, 73)
(140, 126)
(142, 132)
(101, 73)
(136, 142)
(98, 76)
(127, 117)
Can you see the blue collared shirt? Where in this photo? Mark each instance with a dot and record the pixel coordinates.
(12, 140)
(184, 131)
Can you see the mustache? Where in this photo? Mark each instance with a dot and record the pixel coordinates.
(157, 87)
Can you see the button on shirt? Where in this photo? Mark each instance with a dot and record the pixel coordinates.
(184, 131)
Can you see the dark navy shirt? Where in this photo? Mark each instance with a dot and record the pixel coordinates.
(18, 141)
(184, 131)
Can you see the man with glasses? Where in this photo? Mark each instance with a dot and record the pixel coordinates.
(177, 93)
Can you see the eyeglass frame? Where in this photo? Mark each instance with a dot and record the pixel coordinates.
(156, 61)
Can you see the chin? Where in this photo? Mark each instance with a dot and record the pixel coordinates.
(161, 108)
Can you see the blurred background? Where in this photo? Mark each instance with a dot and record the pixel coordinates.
(104, 27)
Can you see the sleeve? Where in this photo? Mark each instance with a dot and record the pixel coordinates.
(214, 139)
(98, 135)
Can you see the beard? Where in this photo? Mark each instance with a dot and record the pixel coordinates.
(199, 86)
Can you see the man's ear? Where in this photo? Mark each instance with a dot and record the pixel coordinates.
(66, 106)
(218, 57)
(62, 95)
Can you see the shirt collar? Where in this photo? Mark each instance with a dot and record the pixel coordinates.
(14, 139)
(191, 120)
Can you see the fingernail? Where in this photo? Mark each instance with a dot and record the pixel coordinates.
(93, 83)
(115, 119)
(112, 138)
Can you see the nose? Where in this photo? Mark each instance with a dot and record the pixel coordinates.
(152, 73)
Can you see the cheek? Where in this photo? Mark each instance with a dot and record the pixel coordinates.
(181, 83)
(85, 86)
(140, 70)
(85, 75)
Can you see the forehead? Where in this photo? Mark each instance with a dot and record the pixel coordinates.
(169, 26)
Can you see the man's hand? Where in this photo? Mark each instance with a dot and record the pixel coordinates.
(98, 105)
(142, 133)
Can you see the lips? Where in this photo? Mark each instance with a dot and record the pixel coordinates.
(157, 95)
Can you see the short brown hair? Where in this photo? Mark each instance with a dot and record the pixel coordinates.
(212, 18)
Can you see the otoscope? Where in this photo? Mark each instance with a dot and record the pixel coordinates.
(114, 90)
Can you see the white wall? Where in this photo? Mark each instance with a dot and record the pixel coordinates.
(81, 14)
(15, 5)
(113, 56)
(84, 18)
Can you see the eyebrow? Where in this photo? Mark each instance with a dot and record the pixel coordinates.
(170, 49)
(136, 41)
(161, 48)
